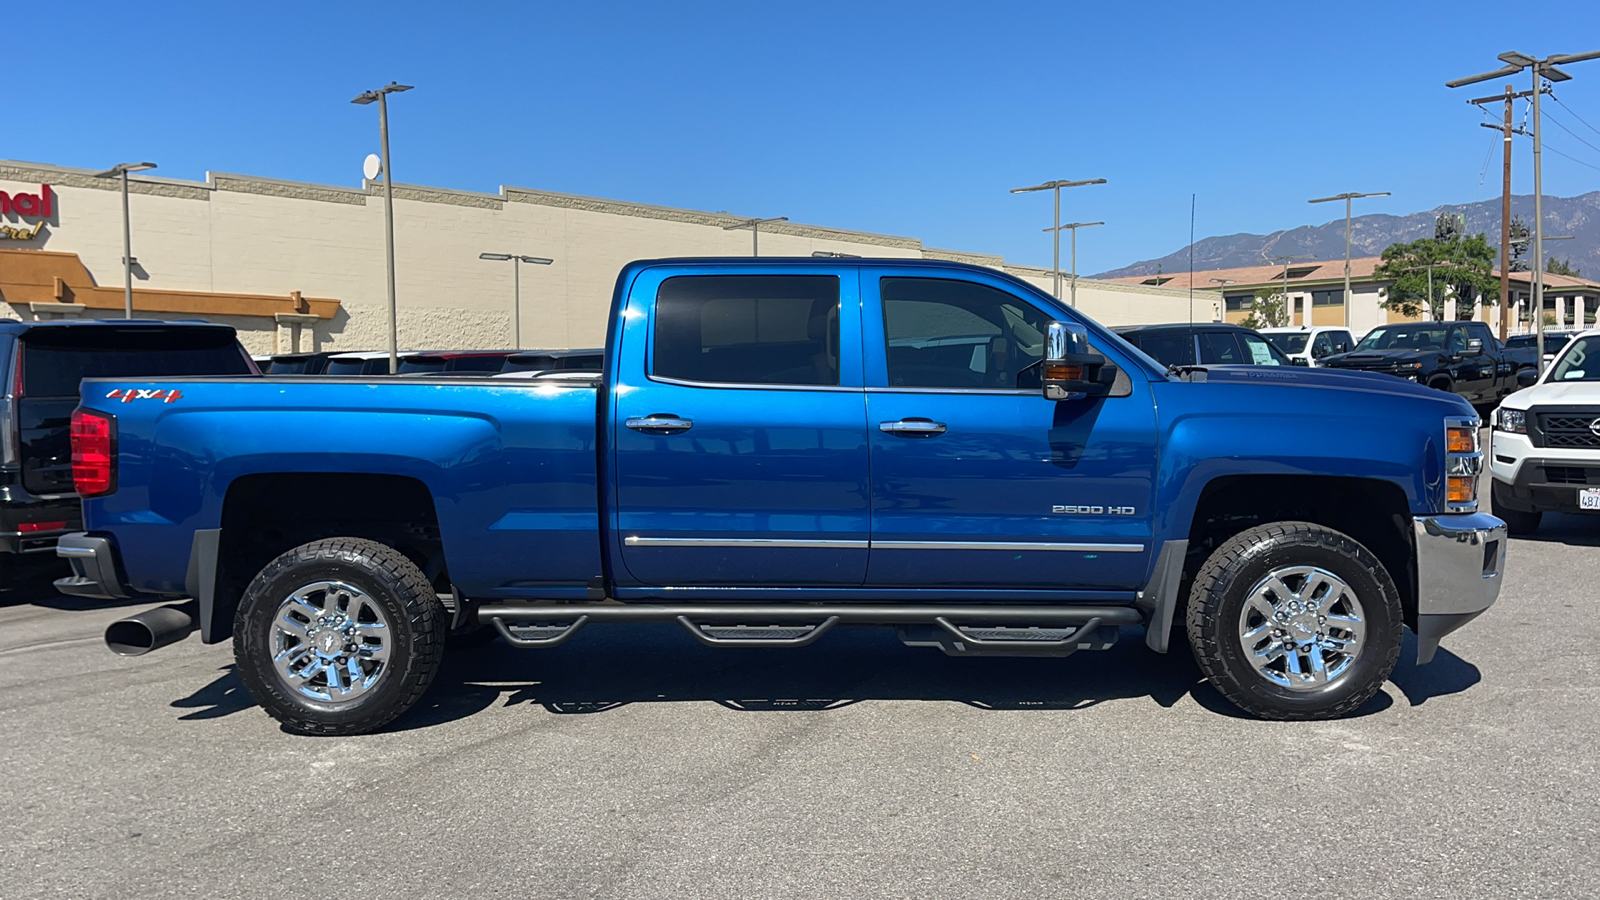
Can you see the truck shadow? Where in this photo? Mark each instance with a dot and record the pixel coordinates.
(1567, 528)
(609, 668)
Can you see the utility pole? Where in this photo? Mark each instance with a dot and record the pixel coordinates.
(1347, 197)
(1505, 204)
(1543, 70)
(1056, 186)
(755, 230)
(1073, 227)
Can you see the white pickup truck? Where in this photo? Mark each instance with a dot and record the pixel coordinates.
(1545, 451)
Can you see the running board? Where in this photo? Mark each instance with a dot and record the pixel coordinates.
(1009, 640)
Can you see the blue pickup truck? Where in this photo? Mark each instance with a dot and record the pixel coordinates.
(778, 447)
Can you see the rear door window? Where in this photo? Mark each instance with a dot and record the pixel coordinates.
(747, 329)
(1218, 348)
(1172, 349)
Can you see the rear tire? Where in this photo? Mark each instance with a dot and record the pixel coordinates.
(338, 636)
(1295, 621)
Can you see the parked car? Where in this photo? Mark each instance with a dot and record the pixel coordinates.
(42, 364)
(1209, 343)
(762, 461)
(1546, 440)
(1553, 342)
(1462, 358)
(554, 360)
(296, 364)
(1309, 345)
(453, 362)
(360, 363)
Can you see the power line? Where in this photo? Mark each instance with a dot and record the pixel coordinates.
(1569, 156)
(1570, 131)
(1574, 115)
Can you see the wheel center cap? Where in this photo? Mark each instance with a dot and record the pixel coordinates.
(329, 643)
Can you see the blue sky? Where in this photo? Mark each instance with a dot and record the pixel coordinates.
(904, 118)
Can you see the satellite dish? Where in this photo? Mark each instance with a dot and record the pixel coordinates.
(371, 166)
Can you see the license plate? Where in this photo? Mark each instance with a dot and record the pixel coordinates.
(1589, 498)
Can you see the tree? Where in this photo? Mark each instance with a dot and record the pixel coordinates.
(1463, 267)
(1561, 267)
(1267, 310)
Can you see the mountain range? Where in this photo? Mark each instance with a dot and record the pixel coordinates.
(1370, 234)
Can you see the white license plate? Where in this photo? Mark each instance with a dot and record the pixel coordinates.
(1589, 498)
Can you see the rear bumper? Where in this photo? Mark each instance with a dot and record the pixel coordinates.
(1460, 559)
(94, 568)
(18, 513)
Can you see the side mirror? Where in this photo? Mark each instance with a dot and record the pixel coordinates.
(1527, 377)
(1070, 370)
(1474, 347)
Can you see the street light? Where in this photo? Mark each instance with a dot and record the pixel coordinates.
(1074, 227)
(755, 230)
(122, 170)
(1347, 198)
(388, 204)
(1289, 307)
(1542, 69)
(516, 288)
(1056, 186)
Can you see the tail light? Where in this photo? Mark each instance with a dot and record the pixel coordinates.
(94, 453)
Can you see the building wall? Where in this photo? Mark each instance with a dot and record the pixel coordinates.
(246, 235)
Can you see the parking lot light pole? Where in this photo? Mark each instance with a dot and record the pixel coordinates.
(122, 170)
(1073, 227)
(1347, 198)
(755, 230)
(1056, 186)
(1543, 70)
(516, 288)
(380, 96)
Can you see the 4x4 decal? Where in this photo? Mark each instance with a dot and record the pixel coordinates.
(128, 395)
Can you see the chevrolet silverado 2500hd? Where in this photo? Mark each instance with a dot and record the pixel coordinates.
(779, 447)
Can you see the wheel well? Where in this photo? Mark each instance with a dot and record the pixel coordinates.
(1372, 512)
(265, 515)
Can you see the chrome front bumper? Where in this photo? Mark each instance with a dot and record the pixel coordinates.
(1459, 561)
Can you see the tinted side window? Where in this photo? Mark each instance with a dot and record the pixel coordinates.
(54, 364)
(942, 333)
(748, 329)
(1174, 349)
(1218, 348)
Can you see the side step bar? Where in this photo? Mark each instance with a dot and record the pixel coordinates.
(959, 630)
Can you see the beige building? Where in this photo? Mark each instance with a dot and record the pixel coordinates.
(301, 266)
(1316, 294)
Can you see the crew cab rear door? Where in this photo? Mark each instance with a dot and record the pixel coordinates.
(738, 429)
(978, 481)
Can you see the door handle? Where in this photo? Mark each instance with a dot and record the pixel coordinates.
(659, 423)
(913, 427)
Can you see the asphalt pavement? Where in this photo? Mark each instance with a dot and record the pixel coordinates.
(633, 762)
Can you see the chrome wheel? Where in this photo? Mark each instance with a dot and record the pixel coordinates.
(330, 642)
(1301, 627)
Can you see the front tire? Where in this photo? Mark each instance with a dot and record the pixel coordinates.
(1518, 521)
(1295, 621)
(338, 636)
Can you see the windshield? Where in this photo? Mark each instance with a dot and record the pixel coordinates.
(1406, 337)
(1288, 343)
(1574, 364)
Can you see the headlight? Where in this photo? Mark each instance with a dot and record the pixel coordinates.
(1409, 366)
(1514, 421)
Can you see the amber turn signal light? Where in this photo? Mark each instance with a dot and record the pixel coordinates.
(1064, 373)
(1462, 488)
(1461, 440)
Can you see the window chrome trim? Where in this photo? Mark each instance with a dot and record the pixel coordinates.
(1010, 392)
(634, 540)
(1006, 545)
(752, 386)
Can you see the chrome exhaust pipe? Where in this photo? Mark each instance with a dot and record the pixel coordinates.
(153, 629)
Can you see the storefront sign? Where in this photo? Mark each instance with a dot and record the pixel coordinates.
(41, 205)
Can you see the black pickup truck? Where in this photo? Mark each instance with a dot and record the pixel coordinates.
(1463, 358)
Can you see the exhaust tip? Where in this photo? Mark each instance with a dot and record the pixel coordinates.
(130, 637)
(152, 629)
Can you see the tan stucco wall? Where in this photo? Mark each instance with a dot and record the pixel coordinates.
(247, 235)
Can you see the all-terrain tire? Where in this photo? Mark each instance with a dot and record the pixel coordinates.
(415, 634)
(1223, 585)
(1518, 521)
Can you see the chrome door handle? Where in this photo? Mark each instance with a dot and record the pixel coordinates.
(659, 423)
(913, 427)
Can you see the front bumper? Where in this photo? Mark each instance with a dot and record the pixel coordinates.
(1459, 562)
(1540, 479)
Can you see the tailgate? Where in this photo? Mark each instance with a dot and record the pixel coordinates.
(52, 361)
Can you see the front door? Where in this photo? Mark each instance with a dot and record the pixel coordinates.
(978, 481)
(739, 431)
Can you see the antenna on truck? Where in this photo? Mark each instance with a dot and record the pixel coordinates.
(1191, 259)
